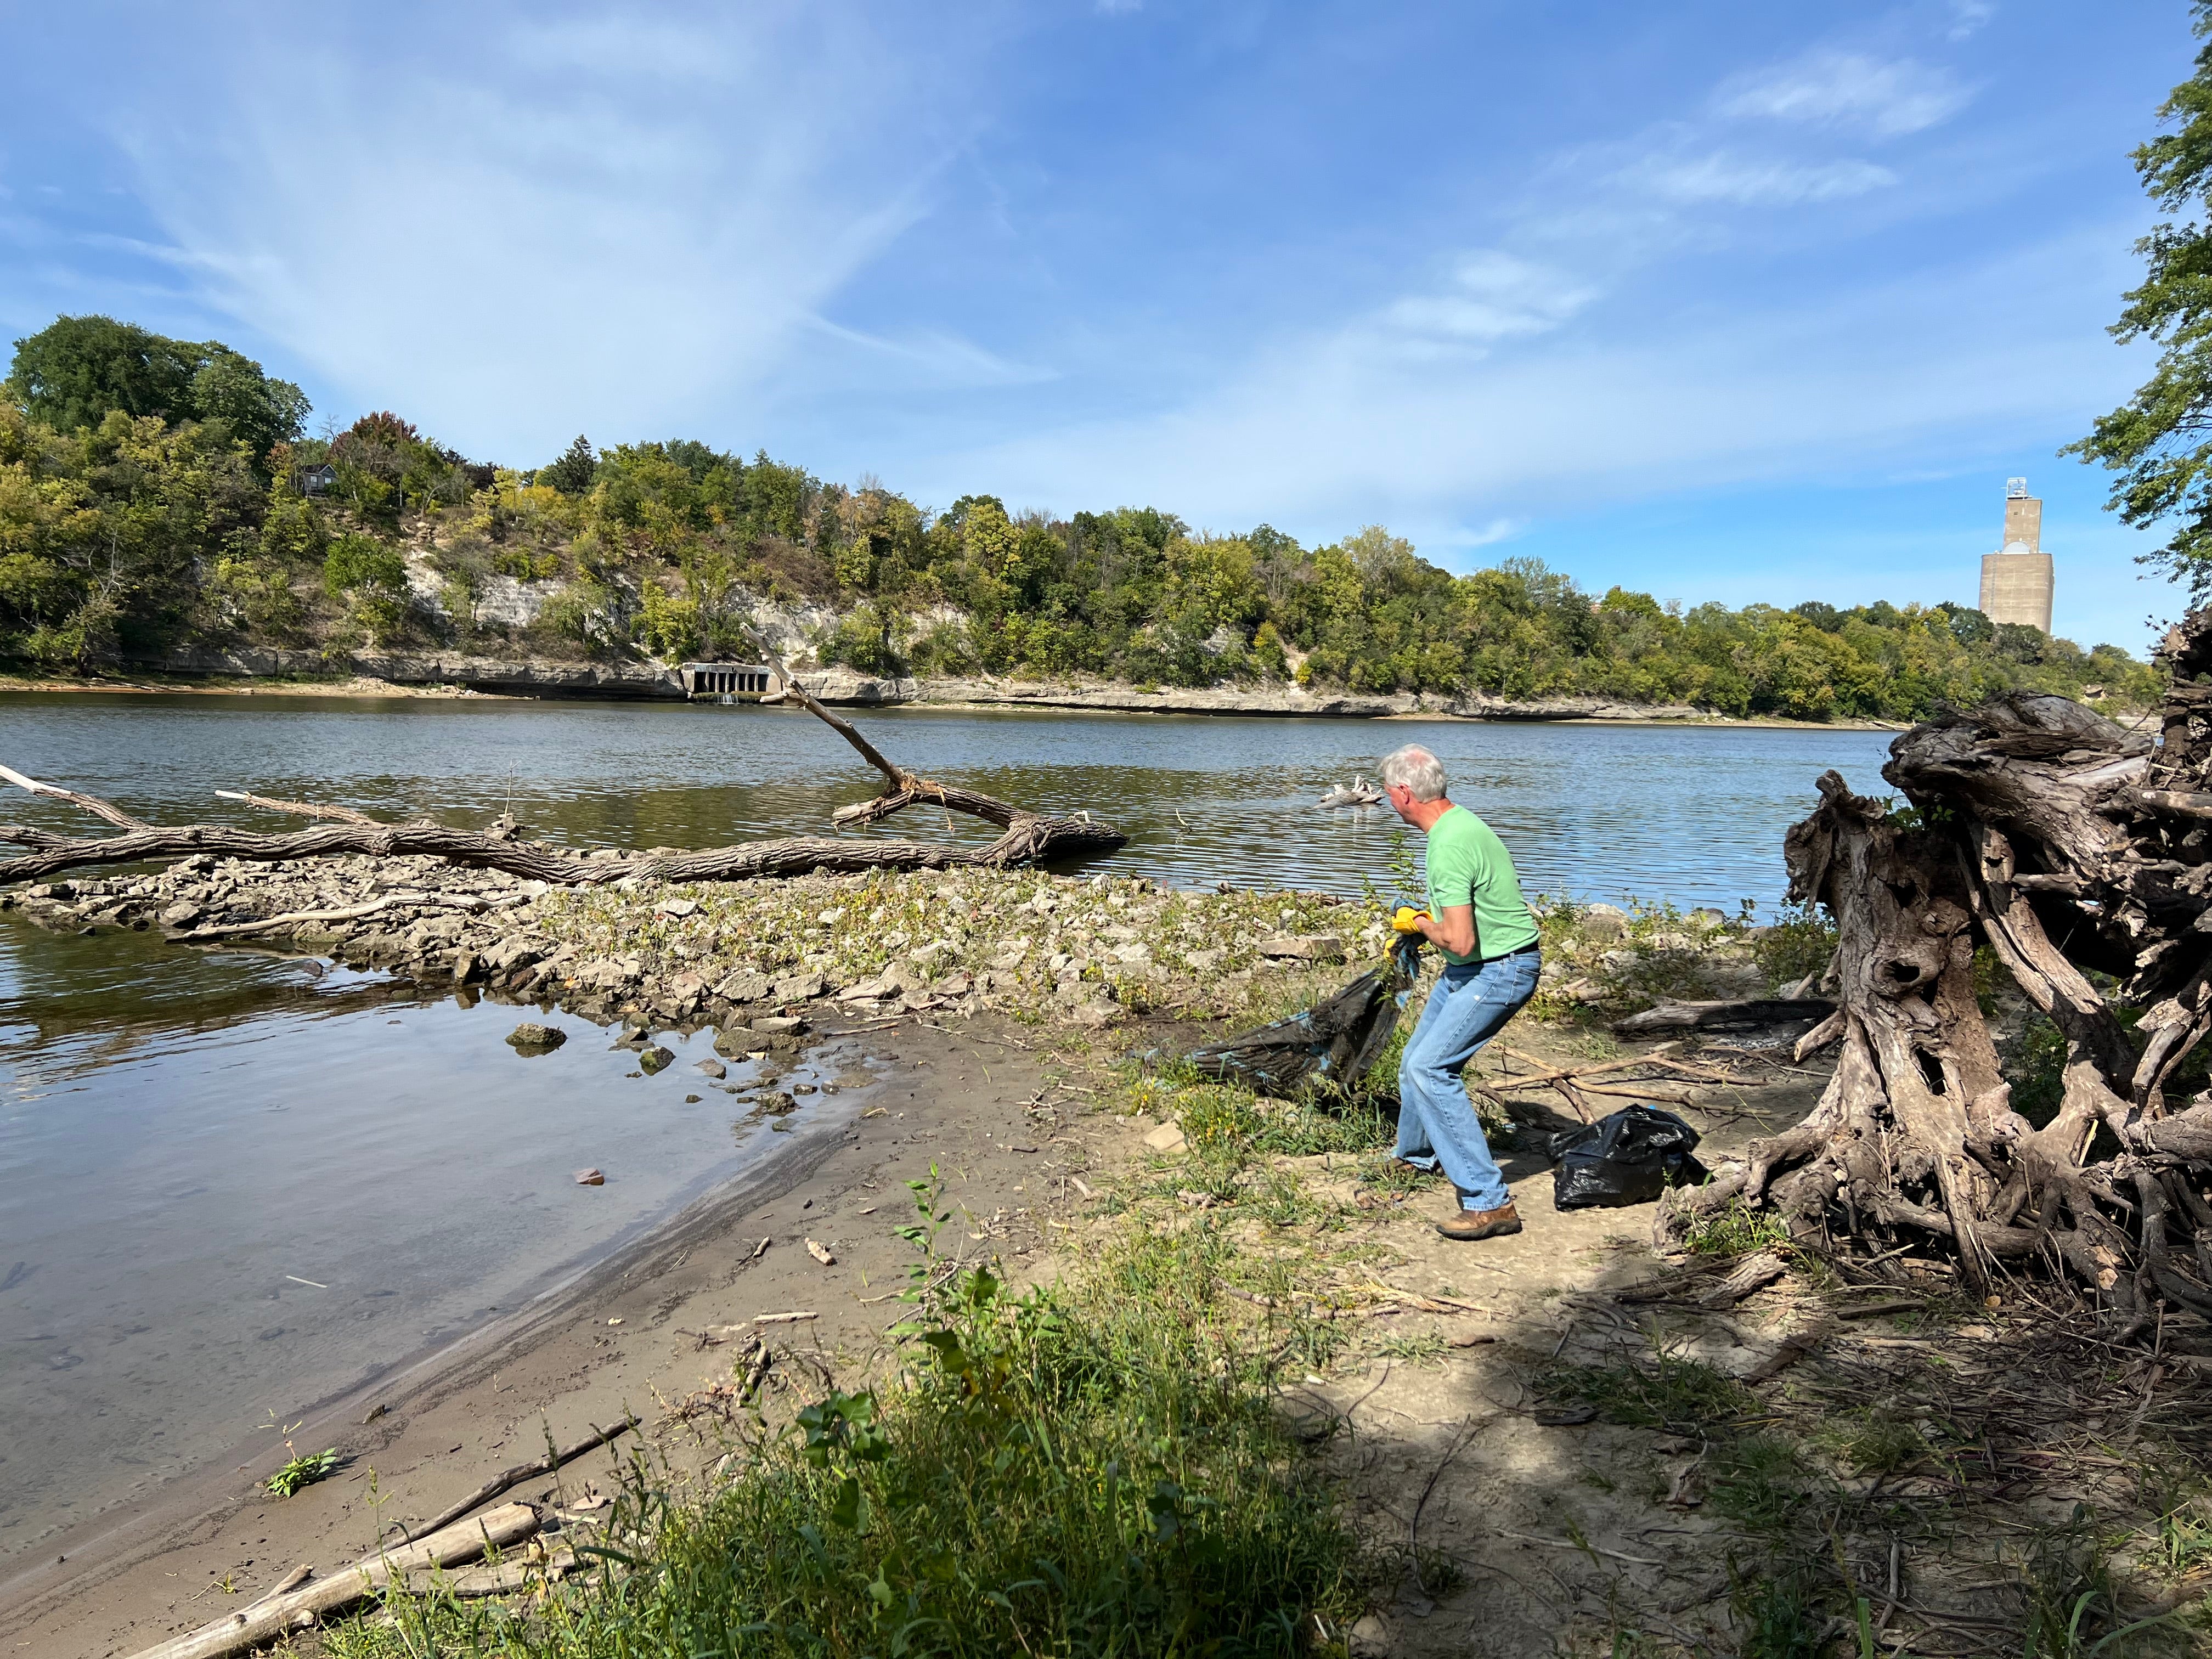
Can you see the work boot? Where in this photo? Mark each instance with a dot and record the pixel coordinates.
(1468, 1225)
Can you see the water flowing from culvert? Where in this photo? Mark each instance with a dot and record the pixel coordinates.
(230, 1184)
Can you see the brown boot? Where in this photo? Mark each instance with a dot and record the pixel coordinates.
(1468, 1225)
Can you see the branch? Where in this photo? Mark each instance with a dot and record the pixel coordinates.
(91, 803)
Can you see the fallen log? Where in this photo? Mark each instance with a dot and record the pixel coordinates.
(1024, 838)
(267, 1620)
(1747, 1014)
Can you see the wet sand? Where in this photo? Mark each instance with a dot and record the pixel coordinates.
(625, 1336)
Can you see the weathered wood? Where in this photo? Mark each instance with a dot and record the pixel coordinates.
(1746, 1014)
(521, 1471)
(267, 1620)
(2071, 847)
(1026, 838)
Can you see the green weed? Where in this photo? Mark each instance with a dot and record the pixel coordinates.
(1683, 1395)
(1095, 1470)
(298, 1472)
(1735, 1229)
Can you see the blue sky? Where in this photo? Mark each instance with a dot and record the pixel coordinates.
(1718, 300)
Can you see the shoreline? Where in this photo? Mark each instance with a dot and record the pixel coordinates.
(617, 1335)
(842, 688)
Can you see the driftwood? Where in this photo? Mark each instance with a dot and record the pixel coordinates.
(271, 1618)
(2081, 854)
(1025, 837)
(499, 1483)
(1753, 1014)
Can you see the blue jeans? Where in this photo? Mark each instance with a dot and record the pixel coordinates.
(1436, 1124)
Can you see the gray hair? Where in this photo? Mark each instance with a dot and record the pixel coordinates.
(1417, 770)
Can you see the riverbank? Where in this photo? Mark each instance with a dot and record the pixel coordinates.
(269, 672)
(1561, 1439)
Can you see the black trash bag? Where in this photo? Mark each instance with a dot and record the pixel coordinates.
(1628, 1156)
(1335, 1041)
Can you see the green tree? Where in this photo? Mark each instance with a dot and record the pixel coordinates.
(572, 475)
(71, 373)
(74, 372)
(2156, 440)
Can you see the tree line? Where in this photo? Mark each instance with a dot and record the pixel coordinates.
(156, 493)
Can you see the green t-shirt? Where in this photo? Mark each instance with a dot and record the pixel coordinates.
(1468, 865)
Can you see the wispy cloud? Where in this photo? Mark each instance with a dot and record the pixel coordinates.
(640, 222)
(1886, 97)
(1492, 296)
(1724, 178)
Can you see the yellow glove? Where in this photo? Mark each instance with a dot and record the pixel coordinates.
(1408, 920)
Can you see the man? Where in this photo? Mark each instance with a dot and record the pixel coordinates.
(1478, 920)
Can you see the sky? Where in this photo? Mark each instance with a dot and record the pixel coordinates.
(1712, 300)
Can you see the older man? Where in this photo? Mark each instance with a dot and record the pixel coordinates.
(1478, 921)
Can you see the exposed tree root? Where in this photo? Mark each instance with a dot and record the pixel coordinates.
(2078, 853)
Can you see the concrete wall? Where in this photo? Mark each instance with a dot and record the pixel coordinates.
(2016, 586)
(2024, 522)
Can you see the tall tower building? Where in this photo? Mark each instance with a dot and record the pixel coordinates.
(2016, 579)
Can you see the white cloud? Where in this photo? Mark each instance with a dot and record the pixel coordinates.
(1722, 178)
(1888, 98)
(1967, 17)
(1492, 295)
(1321, 431)
(625, 227)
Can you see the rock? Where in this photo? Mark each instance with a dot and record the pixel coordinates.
(713, 1068)
(799, 987)
(590, 1178)
(734, 1041)
(1167, 1138)
(511, 952)
(957, 985)
(1318, 947)
(928, 957)
(1205, 960)
(780, 1025)
(533, 1039)
(744, 986)
(655, 1059)
(677, 907)
(1603, 921)
(822, 1253)
(183, 913)
(1369, 1638)
(777, 1102)
(1707, 918)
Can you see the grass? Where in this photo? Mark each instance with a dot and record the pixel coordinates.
(1683, 1395)
(1735, 1229)
(1096, 1469)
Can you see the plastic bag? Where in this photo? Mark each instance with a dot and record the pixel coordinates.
(1628, 1156)
(1335, 1042)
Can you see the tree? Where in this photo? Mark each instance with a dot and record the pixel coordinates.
(71, 373)
(2156, 440)
(573, 473)
(74, 372)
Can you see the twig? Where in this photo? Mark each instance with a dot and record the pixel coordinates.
(1414, 1529)
(520, 1473)
(1569, 1543)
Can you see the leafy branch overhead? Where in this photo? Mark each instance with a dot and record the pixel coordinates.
(2158, 441)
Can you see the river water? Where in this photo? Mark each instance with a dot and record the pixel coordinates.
(234, 1184)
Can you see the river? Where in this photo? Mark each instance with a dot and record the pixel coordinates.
(232, 1184)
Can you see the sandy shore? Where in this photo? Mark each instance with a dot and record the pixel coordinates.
(979, 1104)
